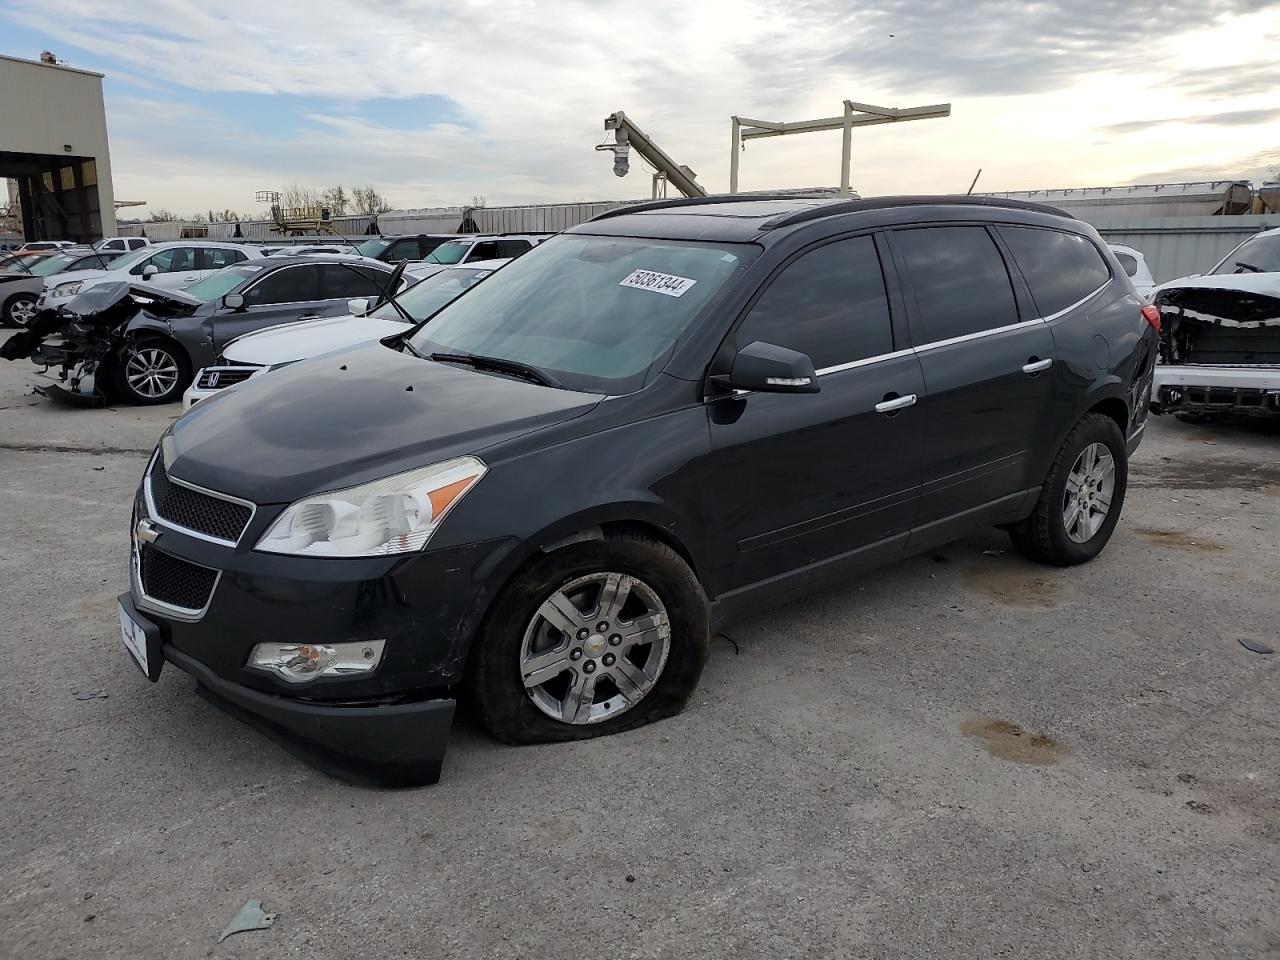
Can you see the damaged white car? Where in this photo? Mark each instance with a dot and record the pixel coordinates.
(1220, 342)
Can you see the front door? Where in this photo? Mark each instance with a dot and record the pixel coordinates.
(282, 296)
(986, 368)
(801, 478)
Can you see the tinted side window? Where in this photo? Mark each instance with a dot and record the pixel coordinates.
(959, 281)
(340, 282)
(513, 248)
(830, 304)
(1060, 268)
(1129, 263)
(484, 250)
(173, 260)
(290, 285)
(213, 258)
(404, 250)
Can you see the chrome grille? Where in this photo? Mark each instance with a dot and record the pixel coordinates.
(178, 583)
(202, 513)
(215, 378)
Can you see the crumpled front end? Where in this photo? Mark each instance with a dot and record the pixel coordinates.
(1220, 346)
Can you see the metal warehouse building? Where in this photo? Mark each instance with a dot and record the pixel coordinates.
(53, 141)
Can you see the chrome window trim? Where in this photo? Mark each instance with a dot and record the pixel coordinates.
(155, 515)
(965, 338)
(186, 614)
(867, 361)
(1079, 303)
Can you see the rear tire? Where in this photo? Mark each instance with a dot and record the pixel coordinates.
(19, 310)
(151, 370)
(1089, 474)
(533, 682)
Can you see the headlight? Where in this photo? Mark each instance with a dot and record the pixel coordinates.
(67, 289)
(388, 516)
(302, 662)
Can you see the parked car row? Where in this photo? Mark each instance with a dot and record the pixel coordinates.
(546, 494)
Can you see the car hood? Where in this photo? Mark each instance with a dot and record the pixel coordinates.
(71, 276)
(350, 417)
(1231, 298)
(310, 338)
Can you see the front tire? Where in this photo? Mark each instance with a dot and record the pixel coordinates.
(19, 310)
(1081, 499)
(152, 370)
(592, 639)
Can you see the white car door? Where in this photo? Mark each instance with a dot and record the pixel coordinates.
(175, 267)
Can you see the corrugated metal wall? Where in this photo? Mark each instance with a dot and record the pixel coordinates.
(540, 218)
(1180, 246)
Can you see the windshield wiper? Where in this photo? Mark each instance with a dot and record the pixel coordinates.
(1248, 267)
(501, 365)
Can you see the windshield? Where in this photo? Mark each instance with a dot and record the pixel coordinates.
(450, 252)
(595, 312)
(373, 247)
(16, 264)
(423, 299)
(221, 282)
(1258, 255)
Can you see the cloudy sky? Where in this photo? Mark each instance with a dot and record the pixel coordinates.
(434, 102)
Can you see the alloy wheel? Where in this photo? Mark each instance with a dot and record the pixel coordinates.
(595, 648)
(1087, 499)
(151, 372)
(22, 311)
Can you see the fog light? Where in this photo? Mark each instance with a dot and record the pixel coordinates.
(303, 662)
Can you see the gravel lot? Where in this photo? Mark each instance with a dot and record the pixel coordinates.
(963, 755)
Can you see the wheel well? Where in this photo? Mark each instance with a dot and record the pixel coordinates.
(1116, 409)
(656, 532)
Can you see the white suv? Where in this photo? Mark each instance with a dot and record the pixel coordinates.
(121, 244)
(177, 264)
(477, 249)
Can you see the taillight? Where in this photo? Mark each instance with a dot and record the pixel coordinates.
(1151, 313)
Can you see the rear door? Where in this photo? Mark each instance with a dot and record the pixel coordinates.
(987, 365)
(339, 284)
(800, 478)
(282, 296)
(512, 248)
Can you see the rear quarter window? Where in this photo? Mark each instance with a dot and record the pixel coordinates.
(1130, 264)
(1060, 268)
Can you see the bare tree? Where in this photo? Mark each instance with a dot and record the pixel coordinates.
(294, 197)
(479, 200)
(161, 215)
(335, 198)
(369, 202)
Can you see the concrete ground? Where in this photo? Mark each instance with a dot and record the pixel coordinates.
(964, 755)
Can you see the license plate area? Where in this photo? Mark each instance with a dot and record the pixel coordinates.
(141, 639)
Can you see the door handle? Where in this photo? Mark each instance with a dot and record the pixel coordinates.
(1034, 366)
(892, 404)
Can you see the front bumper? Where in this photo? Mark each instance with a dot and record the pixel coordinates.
(393, 744)
(390, 725)
(1204, 389)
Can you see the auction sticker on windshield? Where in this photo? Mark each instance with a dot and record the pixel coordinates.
(663, 283)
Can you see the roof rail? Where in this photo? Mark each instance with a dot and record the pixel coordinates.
(881, 203)
(641, 206)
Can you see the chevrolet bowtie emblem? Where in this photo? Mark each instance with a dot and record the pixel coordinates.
(146, 531)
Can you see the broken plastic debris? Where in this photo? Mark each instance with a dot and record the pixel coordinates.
(89, 694)
(249, 917)
(1257, 646)
(993, 553)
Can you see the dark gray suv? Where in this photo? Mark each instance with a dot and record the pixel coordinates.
(548, 496)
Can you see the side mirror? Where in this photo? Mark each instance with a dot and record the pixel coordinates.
(149, 271)
(768, 368)
(358, 307)
(234, 301)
